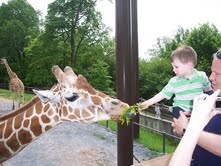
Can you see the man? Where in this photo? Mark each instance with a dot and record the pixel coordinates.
(208, 149)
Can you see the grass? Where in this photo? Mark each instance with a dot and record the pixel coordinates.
(9, 95)
(100, 136)
(149, 139)
(154, 141)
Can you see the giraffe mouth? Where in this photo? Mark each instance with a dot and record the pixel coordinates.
(115, 115)
(115, 118)
(88, 120)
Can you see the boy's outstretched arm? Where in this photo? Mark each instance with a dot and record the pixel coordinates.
(155, 99)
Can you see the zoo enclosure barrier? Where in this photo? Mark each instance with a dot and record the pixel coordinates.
(163, 133)
(160, 125)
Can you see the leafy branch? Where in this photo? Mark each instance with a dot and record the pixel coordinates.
(129, 112)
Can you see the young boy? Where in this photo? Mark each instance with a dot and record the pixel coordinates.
(187, 84)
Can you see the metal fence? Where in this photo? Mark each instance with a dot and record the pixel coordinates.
(163, 133)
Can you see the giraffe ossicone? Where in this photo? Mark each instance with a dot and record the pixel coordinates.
(72, 99)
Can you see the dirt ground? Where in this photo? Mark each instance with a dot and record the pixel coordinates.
(75, 144)
(6, 105)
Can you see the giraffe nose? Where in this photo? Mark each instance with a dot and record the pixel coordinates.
(115, 102)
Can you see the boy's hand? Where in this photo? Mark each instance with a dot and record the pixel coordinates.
(144, 105)
(140, 107)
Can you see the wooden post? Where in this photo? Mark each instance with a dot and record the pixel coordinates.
(127, 72)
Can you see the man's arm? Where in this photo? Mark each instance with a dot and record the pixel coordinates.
(183, 153)
(211, 142)
(201, 115)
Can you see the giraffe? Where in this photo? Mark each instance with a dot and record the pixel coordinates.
(71, 99)
(15, 84)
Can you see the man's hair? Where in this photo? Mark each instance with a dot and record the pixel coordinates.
(185, 54)
(218, 54)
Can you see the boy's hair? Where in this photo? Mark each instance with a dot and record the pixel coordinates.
(185, 54)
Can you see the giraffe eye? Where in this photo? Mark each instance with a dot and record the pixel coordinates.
(72, 98)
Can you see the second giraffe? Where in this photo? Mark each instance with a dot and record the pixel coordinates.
(15, 84)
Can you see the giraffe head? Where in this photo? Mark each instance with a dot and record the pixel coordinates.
(2, 61)
(78, 100)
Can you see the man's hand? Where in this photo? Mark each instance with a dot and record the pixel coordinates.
(203, 110)
(180, 123)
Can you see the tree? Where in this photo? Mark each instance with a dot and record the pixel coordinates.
(75, 22)
(19, 22)
(42, 53)
(206, 40)
(153, 76)
(52, 47)
(99, 77)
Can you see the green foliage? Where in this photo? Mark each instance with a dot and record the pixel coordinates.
(99, 77)
(102, 53)
(42, 55)
(77, 23)
(19, 22)
(206, 40)
(153, 76)
(127, 112)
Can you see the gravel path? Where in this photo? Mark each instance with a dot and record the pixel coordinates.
(75, 144)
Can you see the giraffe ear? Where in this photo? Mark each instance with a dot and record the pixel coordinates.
(46, 95)
(41, 95)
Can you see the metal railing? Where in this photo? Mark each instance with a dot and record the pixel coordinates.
(163, 133)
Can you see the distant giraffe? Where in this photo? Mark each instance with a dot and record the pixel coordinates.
(73, 99)
(15, 84)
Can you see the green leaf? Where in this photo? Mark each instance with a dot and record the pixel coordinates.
(126, 111)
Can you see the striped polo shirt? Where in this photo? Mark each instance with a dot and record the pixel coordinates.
(185, 89)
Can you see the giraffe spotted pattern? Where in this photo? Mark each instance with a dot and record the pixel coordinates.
(72, 99)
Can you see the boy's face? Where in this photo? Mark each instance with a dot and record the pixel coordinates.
(215, 76)
(181, 69)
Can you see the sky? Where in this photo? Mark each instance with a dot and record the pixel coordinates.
(157, 18)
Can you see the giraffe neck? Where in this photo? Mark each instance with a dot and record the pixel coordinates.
(19, 128)
(9, 70)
